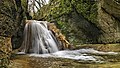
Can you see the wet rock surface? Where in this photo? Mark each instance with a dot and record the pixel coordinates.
(109, 60)
(22, 61)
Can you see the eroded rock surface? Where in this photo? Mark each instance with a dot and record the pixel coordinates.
(5, 51)
(78, 20)
(11, 16)
(109, 21)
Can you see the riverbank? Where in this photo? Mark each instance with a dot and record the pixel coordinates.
(24, 61)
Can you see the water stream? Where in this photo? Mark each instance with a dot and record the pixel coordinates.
(81, 54)
(39, 41)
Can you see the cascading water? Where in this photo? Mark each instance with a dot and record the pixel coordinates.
(38, 39)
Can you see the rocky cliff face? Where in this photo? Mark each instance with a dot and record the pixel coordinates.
(11, 17)
(78, 19)
(109, 21)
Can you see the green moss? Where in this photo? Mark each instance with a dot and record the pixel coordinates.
(65, 13)
(87, 8)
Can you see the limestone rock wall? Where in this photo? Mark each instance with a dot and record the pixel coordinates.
(73, 18)
(85, 21)
(109, 21)
(11, 17)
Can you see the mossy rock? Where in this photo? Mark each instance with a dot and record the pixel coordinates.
(85, 21)
(5, 51)
(11, 17)
(73, 19)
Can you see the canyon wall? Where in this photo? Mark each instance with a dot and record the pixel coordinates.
(11, 17)
(93, 21)
(109, 21)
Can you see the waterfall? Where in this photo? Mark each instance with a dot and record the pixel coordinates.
(38, 38)
(40, 41)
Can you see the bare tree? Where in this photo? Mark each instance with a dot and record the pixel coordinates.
(35, 5)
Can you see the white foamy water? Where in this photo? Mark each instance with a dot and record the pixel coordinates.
(38, 38)
(81, 54)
